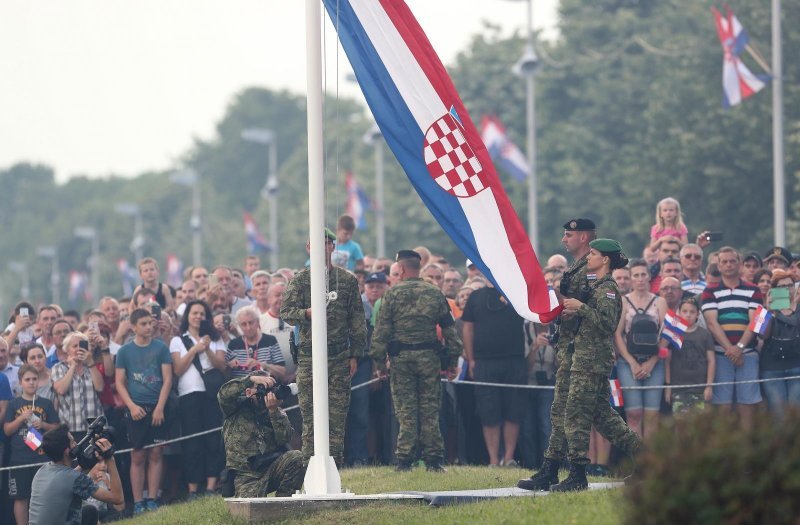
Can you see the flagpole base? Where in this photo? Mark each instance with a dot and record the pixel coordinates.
(322, 477)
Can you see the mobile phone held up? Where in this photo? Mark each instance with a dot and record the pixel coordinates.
(713, 236)
(83, 345)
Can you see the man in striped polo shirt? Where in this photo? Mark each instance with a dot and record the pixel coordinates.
(728, 308)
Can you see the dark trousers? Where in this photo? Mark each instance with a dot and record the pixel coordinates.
(355, 437)
(203, 456)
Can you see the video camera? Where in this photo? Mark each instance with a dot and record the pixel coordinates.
(84, 451)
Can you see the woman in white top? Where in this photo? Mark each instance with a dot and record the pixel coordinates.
(34, 355)
(199, 347)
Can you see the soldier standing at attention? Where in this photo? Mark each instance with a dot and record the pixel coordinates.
(406, 332)
(347, 340)
(589, 392)
(256, 433)
(578, 233)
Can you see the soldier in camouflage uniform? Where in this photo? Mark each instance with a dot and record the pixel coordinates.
(598, 313)
(347, 340)
(253, 432)
(406, 331)
(578, 233)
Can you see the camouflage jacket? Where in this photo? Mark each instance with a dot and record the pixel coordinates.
(249, 428)
(599, 317)
(577, 282)
(409, 313)
(347, 329)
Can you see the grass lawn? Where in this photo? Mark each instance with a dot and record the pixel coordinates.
(595, 507)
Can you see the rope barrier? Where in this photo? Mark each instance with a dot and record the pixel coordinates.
(454, 382)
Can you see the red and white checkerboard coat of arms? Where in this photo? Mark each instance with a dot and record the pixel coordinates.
(450, 159)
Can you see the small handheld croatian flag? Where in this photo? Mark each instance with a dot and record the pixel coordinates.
(616, 393)
(501, 148)
(427, 127)
(760, 321)
(33, 438)
(674, 328)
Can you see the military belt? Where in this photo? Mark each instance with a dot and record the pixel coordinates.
(428, 345)
(333, 349)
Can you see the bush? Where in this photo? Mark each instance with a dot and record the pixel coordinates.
(705, 469)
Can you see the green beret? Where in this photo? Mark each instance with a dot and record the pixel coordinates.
(330, 235)
(407, 254)
(606, 245)
(579, 225)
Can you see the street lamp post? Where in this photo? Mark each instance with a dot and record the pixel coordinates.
(270, 190)
(22, 269)
(190, 177)
(51, 252)
(526, 67)
(89, 233)
(375, 138)
(133, 210)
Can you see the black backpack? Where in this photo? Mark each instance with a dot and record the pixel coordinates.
(642, 339)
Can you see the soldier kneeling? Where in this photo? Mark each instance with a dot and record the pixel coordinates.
(256, 432)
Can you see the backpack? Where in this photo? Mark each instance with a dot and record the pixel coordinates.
(642, 339)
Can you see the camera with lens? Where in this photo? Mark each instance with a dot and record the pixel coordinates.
(282, 392)
(84, 451)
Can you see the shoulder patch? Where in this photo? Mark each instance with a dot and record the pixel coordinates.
(611, 295)
(591, 276)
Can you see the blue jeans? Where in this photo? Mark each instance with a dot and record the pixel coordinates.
(781, 393)
(534, 432)
(355, 446)
(746, 393)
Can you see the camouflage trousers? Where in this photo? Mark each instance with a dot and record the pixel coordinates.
(557, 446)
(338, 404)
(283, 477)
(416, 394)
(588, 404)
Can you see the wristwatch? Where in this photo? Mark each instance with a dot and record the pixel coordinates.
(740, 345)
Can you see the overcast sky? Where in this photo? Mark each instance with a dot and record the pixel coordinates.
(100, 87)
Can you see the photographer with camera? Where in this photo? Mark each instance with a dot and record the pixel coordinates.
(58, 489)
(256, 432)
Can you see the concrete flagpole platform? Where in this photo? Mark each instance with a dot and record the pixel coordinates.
(255, 510)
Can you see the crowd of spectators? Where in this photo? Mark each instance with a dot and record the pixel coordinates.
(149, 362)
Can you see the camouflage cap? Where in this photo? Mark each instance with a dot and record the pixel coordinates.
(579, 225)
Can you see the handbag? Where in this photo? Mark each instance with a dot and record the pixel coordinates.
(212, 379)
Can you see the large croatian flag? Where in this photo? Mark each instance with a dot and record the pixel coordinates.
(425, 124)
(738, 82)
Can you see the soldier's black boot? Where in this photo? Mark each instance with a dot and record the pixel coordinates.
(435, 465)
(575, 481)
(547, 475)
(403, 465)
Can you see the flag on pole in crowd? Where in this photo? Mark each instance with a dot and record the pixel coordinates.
(174, 271)
(357, 201)
(616, 393)
(674, 328)
(501, 148)
(256, 243)
(760, 320)
(430, 132)
(738, 82)
(33, 438)
(128, 276)
(78, 287)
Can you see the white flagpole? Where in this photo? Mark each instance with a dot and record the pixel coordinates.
(778, 181)
(322, 477)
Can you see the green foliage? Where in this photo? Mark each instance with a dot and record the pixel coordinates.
(706, 469)
(629, 110)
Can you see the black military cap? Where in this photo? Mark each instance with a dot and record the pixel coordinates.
(407, 254)
(781, 253)
(579, 225)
